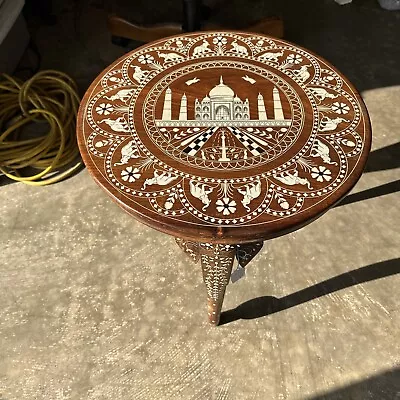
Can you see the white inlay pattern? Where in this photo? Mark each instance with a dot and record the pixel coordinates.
(224, 129)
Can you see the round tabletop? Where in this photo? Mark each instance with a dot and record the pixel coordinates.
(224, 137)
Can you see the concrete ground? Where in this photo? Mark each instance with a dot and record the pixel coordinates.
(95, 305)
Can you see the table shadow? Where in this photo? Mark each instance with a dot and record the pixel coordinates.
(266, 305)
(377, 191)
(378, 160)
(385, 158)
(383, 386)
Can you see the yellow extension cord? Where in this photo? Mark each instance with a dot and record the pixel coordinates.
(48, 97)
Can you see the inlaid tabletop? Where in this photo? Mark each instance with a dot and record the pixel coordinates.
(226, 137)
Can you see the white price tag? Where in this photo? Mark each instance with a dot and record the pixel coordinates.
(238, 273)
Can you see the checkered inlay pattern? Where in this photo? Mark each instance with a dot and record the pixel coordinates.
(250, 144)
(198, 143)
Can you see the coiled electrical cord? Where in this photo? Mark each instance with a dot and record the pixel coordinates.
(48, 97)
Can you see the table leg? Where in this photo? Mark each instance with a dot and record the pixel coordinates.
(246, 252)
(216, 263)
(189, 248)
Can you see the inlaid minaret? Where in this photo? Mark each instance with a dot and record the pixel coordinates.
(262, 113)
(278, 112)
(166, 114)
(183, 109)
(223, 148)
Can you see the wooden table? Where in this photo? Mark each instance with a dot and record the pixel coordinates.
(223, 140)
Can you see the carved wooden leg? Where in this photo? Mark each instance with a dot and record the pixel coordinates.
(189, 248)
(216, 263)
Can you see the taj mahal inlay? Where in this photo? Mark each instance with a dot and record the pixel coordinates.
(222, 107)
(222, 104)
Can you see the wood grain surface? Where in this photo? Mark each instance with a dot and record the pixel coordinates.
(224, 137)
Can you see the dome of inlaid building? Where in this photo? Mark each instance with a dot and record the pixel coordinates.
(222, 91)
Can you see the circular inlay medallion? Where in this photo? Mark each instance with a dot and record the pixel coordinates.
(206, 134)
